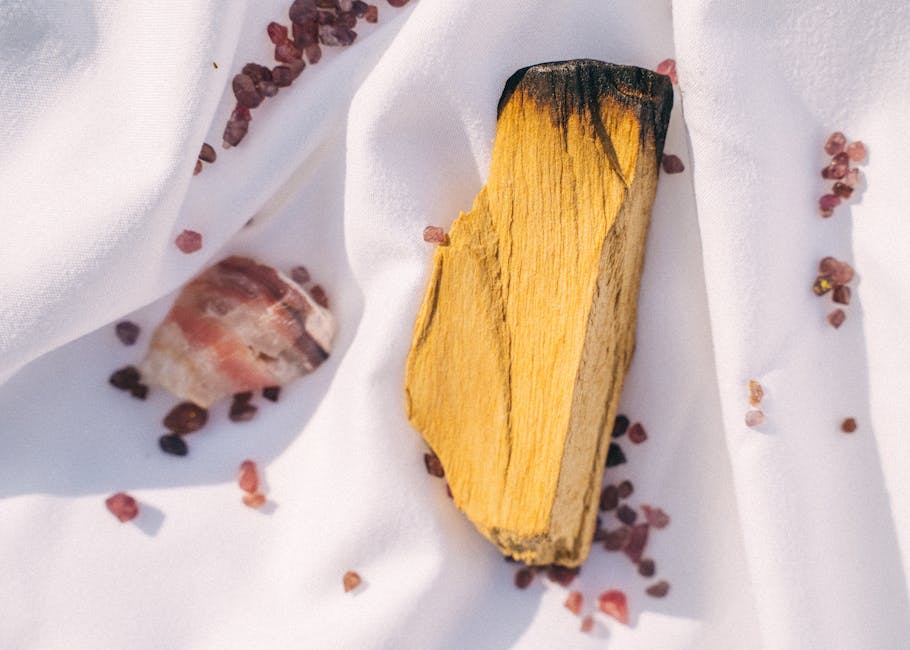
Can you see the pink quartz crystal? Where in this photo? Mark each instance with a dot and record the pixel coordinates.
(842, 189)
(122, 506)
(573, 602)
(189, 241)
(655, 517)
(238, 326)
(835, 143)
(856, 151)
(828, 201)
(668, 67)
(613, 603)
(434, 235)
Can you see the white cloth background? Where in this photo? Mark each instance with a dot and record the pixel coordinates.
(791, 536)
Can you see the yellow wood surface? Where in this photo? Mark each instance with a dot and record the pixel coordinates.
(527, 326)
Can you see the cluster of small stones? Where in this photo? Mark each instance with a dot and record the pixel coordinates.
(834, 277)
(314, 24)
(846, 179)
(206, 154)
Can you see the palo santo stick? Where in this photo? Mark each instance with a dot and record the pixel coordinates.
(528, 324)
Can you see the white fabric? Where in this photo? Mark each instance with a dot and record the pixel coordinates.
(790, 536)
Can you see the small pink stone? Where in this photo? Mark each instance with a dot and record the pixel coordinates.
(434, 235)
(835, 143)
(189, 241)
(668, 67)
(853, 177)
(122, 506)
(825, 213)
(754, 418)
(856, 151)
(828, 201)
(837, 318)
(672, 164)
(587, 624)
(574, 602)
(655, 517)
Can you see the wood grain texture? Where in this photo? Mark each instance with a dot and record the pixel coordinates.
(528, 324)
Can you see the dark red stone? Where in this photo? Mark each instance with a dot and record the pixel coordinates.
(242, 411)
(271, 393)
(620, 426)
(523, 578)
(637, 433)
(672, 164)
(433, 465)
(842, 190)
(300, 275)
(125, 378)
(561, 574)
(319, 296)
(277, 33)
(609, 498)
(139, 391)
(173, 444)
(282, 76)
(625, 489)
(626, 515)
(615, 455)
(313, 53)
(837, 318)
(658, 589)
(842, 294)
(617, 538)
(306, 34)
(638, 539)
(287, 52)
(647, 568)
(245, 91)
(186, 417)
(302, 11)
